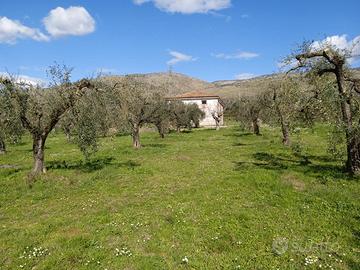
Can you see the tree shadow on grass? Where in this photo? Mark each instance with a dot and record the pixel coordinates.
(300, 164)
(9, 169)
(355, 241)
(155, 145)
(240, 144)
(90, 166)
(238, 134)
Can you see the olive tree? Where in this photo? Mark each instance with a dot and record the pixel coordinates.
(217, 116)
(136, 102)
(194, 115)
(178, 115)
(249, 110)
(185, 115)
(283, 101)
(40, 109)
(161, 117)
(326, 60)
(10, 125)
(88, 119)
(86, 122)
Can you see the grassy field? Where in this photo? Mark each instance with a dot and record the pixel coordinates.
(199, 200)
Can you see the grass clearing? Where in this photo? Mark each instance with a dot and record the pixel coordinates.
(199, 200)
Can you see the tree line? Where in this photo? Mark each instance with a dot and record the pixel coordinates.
(86, 110)
(318, 86)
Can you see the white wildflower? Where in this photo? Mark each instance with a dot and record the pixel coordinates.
(185, 260)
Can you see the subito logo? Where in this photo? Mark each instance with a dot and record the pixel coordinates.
(280, 245)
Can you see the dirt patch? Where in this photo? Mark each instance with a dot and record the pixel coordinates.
(183, 158)
(8, 166)
(71, 232)
(293, 181)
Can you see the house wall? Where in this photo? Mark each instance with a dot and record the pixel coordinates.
(210, 106)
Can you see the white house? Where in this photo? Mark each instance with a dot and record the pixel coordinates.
(211, 105)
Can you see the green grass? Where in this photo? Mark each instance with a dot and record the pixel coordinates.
(225, 200)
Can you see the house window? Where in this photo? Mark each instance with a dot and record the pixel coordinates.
(203, 102)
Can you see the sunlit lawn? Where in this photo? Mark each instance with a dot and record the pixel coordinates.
(199, 200)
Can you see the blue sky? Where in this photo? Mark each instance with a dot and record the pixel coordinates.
(208, 39)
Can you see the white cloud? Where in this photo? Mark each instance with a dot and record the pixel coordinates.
(352, 46)
(188, 6)
(179, 57)
(244, 76)
(30, 80)
(105, 70)
(11, 31)
(237, 55)
(24, 79)
(74, 21)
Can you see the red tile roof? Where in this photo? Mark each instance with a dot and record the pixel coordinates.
(196, 94)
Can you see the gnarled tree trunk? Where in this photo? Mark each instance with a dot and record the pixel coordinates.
(284, 124)
(284, 128)
(39, 153)
(217, 118)
(2, 146)
(352, 144)
(136, 136)
(67, 132)
(256, 126)
(353, 151)
(285, 133)
(217, 125)
(160, 130)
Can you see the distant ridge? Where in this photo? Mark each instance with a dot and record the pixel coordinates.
(180, 83)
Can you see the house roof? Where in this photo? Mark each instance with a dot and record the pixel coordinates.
(196, 94)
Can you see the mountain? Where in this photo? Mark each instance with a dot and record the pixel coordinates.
(176, 83)
(179, 83)
(236, 88)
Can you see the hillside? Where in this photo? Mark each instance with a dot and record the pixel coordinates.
(235, 88)
(180, 83)
(176, 83)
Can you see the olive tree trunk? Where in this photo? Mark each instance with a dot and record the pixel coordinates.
(39, 153)
(284, 128)
(352, 143)
(286, 133)
(256, 126)
(284, 124)
(2, 146)
(160, 129)
(217, 118)
(353, 156)
(136, 136)
(217, 125)
(67, 132)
